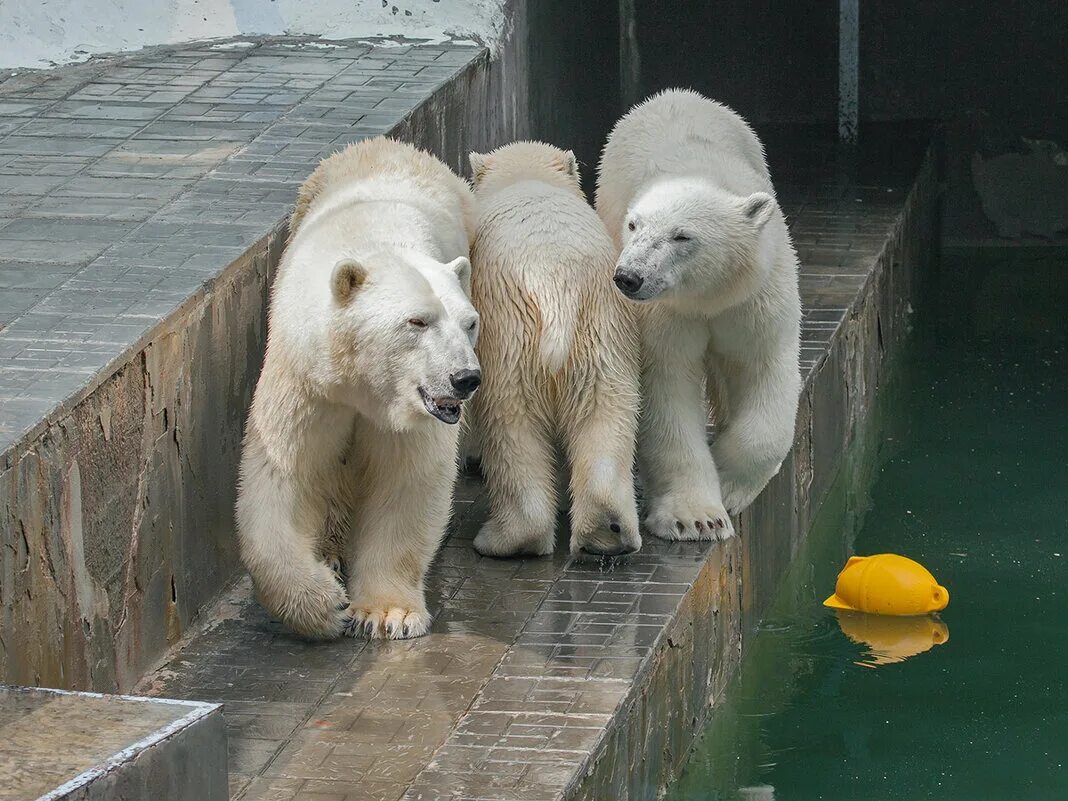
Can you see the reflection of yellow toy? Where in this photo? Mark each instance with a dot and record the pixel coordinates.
(893, 639)
(887, 584)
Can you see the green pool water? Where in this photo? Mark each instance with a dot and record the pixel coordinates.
(964, 468)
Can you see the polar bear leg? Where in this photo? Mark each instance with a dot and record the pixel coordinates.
(600, 451)
(758, 431)
(517, 462)
(682, 487)
(291, 580)
(398, 527)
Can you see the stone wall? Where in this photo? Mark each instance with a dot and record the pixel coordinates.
(34, 34)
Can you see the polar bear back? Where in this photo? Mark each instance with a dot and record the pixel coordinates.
(543, 263)
(678, 132)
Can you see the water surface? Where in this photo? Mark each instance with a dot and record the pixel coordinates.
(965, 469)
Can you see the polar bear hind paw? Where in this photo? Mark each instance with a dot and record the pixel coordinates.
(499, 541)
(319, 613)
(385, 622)
(739, 494)
(694, 520)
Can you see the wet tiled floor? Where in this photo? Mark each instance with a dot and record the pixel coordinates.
(126, 184)
(529, 661)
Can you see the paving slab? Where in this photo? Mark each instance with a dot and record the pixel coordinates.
(58, 745)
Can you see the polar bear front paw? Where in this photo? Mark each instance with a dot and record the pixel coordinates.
(688, 518)
(380, 621)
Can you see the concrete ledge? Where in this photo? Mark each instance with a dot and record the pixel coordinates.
(558, 678)
(143, 204)
(86, 747)
(125, 380)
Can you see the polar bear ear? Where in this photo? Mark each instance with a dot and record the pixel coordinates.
(569, 164)
(479, 165)
(757, 208)
(348, 276)
(462, 267)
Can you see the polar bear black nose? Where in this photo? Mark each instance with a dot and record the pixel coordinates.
(628, 282)
(466, 381)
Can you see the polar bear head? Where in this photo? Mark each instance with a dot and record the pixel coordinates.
(401, 337)
(525, 161)
(685, 236)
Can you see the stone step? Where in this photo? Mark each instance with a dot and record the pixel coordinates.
(84, 746)
(142, 211)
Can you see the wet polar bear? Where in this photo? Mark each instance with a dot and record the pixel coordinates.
(559, 353)
(684, 186)
(370, 352)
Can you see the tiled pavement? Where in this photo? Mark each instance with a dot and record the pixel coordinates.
(127, 184)
(528, 660)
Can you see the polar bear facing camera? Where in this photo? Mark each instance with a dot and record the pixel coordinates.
(350, 445)
(559, 352)
(684, 187)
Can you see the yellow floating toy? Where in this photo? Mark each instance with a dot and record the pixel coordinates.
(887, 584)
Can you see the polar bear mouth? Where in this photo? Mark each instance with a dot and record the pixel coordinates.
(446, 409)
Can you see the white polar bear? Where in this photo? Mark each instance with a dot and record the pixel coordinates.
(370, 353)
(684, 185)
(559, 353)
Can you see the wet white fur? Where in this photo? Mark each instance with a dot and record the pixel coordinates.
(559, 354)
(721, 309)
(341, 457)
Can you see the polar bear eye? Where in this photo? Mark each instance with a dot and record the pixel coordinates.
(417, 322)
(471, 326)
(631, 226)
(681, 237)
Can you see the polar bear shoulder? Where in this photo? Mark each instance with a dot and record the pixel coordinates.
(388, 162)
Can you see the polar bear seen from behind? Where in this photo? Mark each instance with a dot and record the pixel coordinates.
(684, 187)
(559, 354)
(370, 353)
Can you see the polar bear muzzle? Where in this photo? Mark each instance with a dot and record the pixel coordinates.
(447, 407)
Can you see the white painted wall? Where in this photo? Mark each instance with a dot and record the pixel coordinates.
(41, 33)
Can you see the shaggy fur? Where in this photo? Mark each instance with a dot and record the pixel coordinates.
(346, 453)
(685, 189)
(560, 358)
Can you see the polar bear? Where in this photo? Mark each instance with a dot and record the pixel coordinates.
(684, 187)
(559, 351)
(350, 441)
